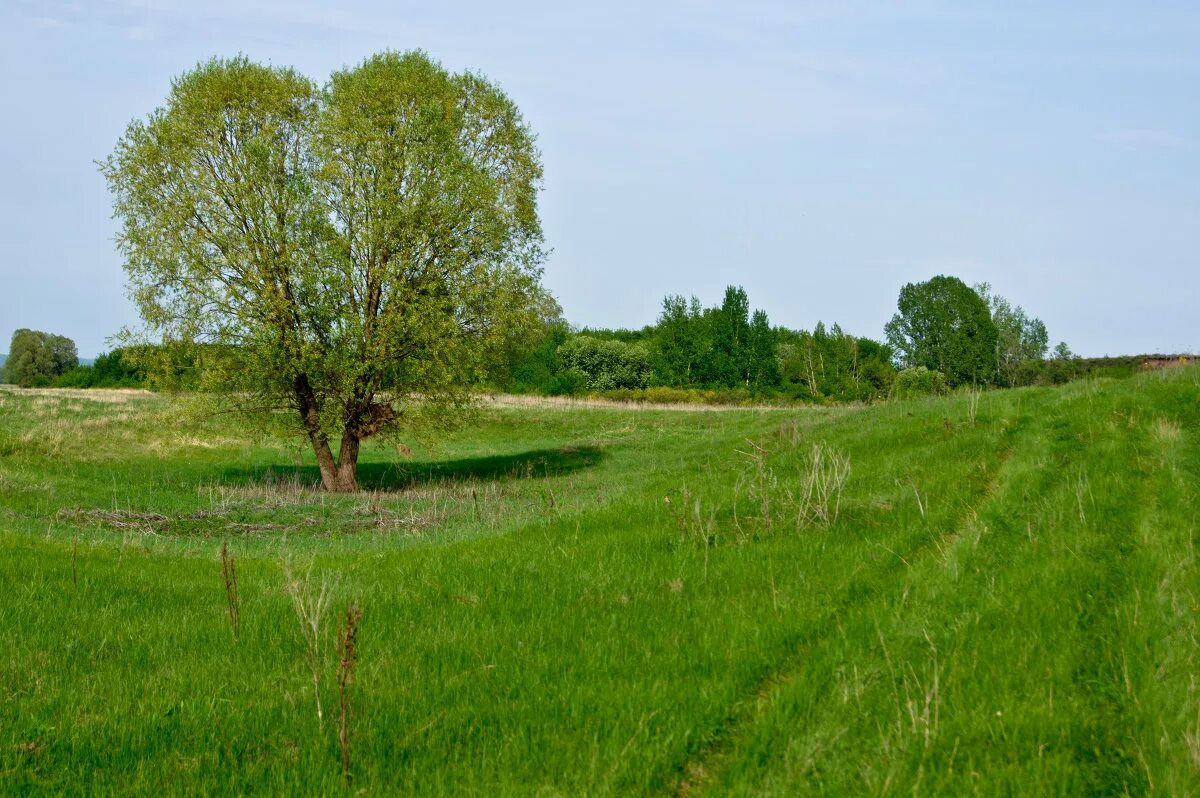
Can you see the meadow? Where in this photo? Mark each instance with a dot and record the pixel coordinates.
(989, 594)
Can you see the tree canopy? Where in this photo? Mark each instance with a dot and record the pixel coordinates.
(943, 325)
(37, 358)
(354, 253)
(1020, 339)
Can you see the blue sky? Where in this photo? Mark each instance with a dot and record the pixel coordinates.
(821, 154)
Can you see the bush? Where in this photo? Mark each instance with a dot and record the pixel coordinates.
(606, 364)
(919, 381)
(567, 383)
(110, 370)
(78, 377)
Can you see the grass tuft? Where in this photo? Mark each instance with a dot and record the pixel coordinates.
(310, 600)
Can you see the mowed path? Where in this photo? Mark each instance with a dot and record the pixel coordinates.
(1044, 645)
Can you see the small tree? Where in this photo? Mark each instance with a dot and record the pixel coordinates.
(945, 326)
(354, 254)
(1019, 338)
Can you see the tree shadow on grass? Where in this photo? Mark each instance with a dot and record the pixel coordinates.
(393, 476)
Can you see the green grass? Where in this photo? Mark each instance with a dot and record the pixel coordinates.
(1006, 603)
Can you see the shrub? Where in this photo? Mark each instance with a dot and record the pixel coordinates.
(919, 381)
(567, 383)
(606, 364)
(78, 377)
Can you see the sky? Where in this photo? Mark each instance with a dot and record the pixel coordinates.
(820, 154)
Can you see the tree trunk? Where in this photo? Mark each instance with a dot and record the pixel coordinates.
(341, 475)
(337, 476)
(325, 461)
(347, 465)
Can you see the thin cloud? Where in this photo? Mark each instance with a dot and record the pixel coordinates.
(1144, 139)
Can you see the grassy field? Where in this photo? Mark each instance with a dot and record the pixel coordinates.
(999, 597)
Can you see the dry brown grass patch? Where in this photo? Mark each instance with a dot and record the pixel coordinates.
(1166, 430)
(566, 402)
(103, 395)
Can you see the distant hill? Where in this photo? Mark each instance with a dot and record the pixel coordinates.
(2, 359)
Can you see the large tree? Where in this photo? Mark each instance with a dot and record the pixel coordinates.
(353, 253)
(38, 358)
(945, 326)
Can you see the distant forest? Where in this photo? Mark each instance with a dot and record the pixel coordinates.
(944, 335)
(731, 352)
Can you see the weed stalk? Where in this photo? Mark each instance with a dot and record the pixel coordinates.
(349, 648)
(232, 599)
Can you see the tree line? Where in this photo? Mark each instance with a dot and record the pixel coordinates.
(944, 334)
(39, 359)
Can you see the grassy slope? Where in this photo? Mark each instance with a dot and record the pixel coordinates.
(1004, 605)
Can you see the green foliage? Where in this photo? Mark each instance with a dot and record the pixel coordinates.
(606, 364)
(728, 362)
(641, 336)
(945, 326)
(832, 364)
(683, 340)
(1021, 341)
(533, 364)
(78, 377)
(567, 383)
(37, 359)
(339, 250)
(116, 369)
(919, 381)
(762, 345)
(727, 352)
(685, 396)
(721, 347)
(1059, 370)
